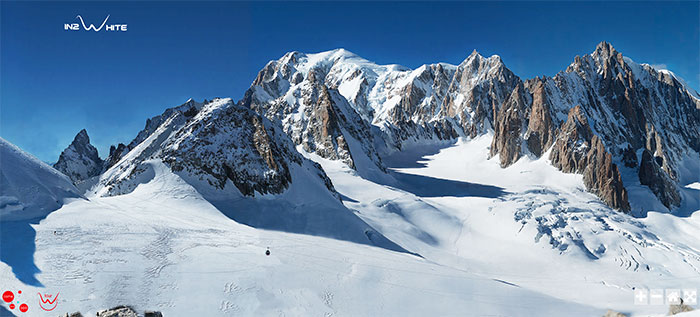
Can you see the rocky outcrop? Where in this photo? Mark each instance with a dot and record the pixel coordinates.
(651, 175)
(119, 311)
(325, 136)
(572, 143)
(115, 154)
(578, 150)
(80, 160)
(422, 96)
(540, 130)
(511, 119)
(602, 177)
(679, 308)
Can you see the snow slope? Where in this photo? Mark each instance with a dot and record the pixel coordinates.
(528, 225)
(522, 241)
(29, 188)
(146, 249)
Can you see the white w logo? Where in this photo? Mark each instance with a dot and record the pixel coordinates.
(92, 26)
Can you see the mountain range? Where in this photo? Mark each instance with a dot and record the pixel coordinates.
(602, 115)
(438, 187)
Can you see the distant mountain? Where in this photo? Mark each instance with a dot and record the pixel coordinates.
(341, 106)
(29, 188)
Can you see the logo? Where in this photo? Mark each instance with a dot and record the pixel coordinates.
(46, 303)
(107, 27)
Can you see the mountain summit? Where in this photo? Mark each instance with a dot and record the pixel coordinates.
(80, 160)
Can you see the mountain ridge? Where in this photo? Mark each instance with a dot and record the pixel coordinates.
(343, 107)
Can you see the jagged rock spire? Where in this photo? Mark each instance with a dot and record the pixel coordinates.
(80, 160)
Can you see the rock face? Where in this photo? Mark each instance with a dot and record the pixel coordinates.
(578, 150)
(602, 177)
(510, 122)
(540, 133)
(573, 143)
(80, 160)
(651, 175)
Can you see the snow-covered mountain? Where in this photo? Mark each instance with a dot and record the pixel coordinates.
(242, 163)
(629, 108)
(501, 195)
(29, 188)
(341, 106)
(80, 160)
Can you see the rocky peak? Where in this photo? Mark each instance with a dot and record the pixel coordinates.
(80, 160)
(477, 90)
(81, 139)
(605, 61)
(604, 51)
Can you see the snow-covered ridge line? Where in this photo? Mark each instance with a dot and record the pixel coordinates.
(30, 188)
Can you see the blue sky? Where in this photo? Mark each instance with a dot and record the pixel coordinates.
(56, 82)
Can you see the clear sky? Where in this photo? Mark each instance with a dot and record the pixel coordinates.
(56, 82)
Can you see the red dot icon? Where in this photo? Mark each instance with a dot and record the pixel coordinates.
(19, 292)
(23, 308)
(12, 306)
(7, 296)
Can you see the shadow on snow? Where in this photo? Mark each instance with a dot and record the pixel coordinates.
(428, 186)
(17, 246)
